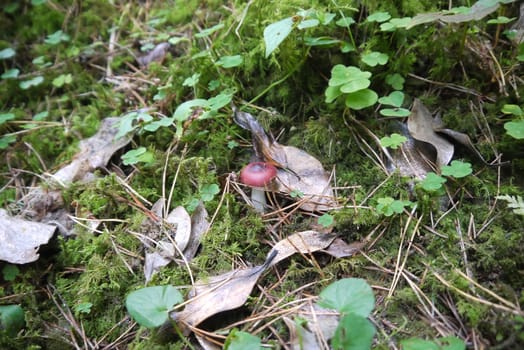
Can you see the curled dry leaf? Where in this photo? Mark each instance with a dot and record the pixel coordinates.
(230, 290)
(314, 335)
(182, 221)
(156, 55)
(298, 171)
(21, 238)
(421, 126)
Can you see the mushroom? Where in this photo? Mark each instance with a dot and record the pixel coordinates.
(258, 175)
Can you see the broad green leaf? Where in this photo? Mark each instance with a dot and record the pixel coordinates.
(7, 53)
(361, 99)
(348, 295)
(183, 111)
(512, 109)
(418, 344)
(394, 99)
(220, 100)
(432, 182)
(238, 340)
(26, 84)
(230, 61)
(208, 192)
(150, 306)
(354, 332)
(6, 140)
(63, 79)
(139, 155)
(345, 22)
(457, 169)
(10, 272)
(395, 23)
(308, 23)
(275, 33)
(56, 38)
(347, 47)
(375, 58)
(501, 20)
(378, 17)
(209, 31)
(41, 116)
(389, 206)
(332, 92)
(395, 112)
(393, 141)
(320, 41)
(11, 74)
(11, 318)
(341, 75)
(326, 220)
(157, 124)
(396, 81)
(5, 117)
(515, 129)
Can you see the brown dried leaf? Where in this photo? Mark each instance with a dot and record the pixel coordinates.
(421, 127)
(21, 238)
(340, 249)
(199, 227)
(179, 218)
(218, 293)
(298, 170)
(301, 242)
(156, 55)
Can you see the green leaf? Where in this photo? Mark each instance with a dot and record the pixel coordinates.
(10, 272)
(320, 41)
(345, 22)
(150, 306)
(10, 74)
(208, 192)
(184, 110)
(418, 344)
(5, 117)
(26, 84)
(348, 295)
(395, 81)
(332, 92)
(63, 79)
(375, 58)
(354, 332)
(342, 75)
(209, 31)
(389, 206)
(512, 109)
(346, 47)
(11, 318)
(139, 155)
(160, 123)
(192, 80)
(296, 194)
(378, 17)
(394, 99)
(230, 61)
(6, 140)
(395, 112)
(213, 84)
(457, 169)
(395, 23)
(326, 220)
(238, 340)
(7, 53)
(451, 343)
(84, 308)
(308, 23)
(275, 33)
(220, 100)
(515, 129)
(393, 141)
(41, 116)
(56, 38)
(501, 20)
(361, 99)
(432, 182)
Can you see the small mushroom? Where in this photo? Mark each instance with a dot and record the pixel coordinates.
(258, 175)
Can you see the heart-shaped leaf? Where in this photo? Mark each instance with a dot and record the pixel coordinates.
(394, 99)
(275, 33)
(361, 99)
(150, 306)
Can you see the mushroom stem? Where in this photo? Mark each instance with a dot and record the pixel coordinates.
(258, 199)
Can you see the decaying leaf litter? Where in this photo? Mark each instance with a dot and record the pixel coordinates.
(162, 233)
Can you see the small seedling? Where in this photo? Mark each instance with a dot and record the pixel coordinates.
(457, 169)
(84, 308)
(375, 58)
(393, 141)
(150, 306)
(63, 79)
(56, 38)
(26, 84)
(389, 206)
(326, 220)
(432, 182)
(396, 81)
(208, 192)
(139, 155)
(352, 82)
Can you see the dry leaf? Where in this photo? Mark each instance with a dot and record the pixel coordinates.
(216, 294)
(156, 55)
(340, 249)
(320, 327)
(298, 171)
(21, 238)
(152, 264)
(421, 127)
(301, 242)
(199, 227)
(182, 221)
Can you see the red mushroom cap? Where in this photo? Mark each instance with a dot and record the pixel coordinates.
(258, 174)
